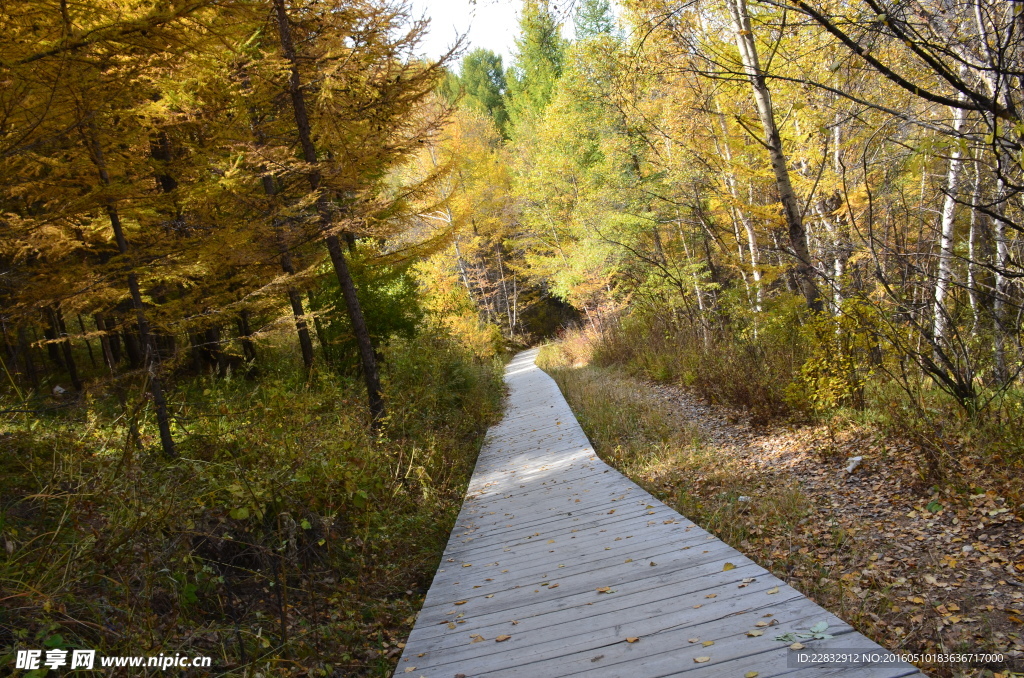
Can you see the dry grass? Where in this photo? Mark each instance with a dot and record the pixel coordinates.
(850, 547)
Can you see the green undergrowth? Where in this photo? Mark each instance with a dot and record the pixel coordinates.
(288, 539)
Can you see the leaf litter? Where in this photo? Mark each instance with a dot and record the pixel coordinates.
(906, 559)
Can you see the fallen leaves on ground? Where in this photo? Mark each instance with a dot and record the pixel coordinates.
(909, 564)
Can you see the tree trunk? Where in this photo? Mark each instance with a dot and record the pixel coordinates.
(25, 348)
(214, 351)
(318, 326)
(106, 346)
(366, 354)
(1002, 373)
(66, 347)
(294, 298)
(940, 322)
(51, 336)
(88, 344)
(355, 313)
(150, 358)
(60, 333)
(773, 142)
(245, 336)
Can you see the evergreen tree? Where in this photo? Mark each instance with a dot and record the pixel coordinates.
(540, 53)
(593, 17)
(482, 78)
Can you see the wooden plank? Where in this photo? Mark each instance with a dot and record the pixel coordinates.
(547, 525)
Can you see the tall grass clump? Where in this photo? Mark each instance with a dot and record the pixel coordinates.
(746, 364)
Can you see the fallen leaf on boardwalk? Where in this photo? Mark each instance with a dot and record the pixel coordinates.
(727, 567)
(653, 563)
(701, 660)
(604, 589)
(551, 541)
(467, 565)
(514, 622)
(711, 595)
(772, 590)
(460, 602)
(489, 596)
(629, 560)
(553, 586)
(611, 512)
(410, 669)
(502, 638)
(422, 654)
(708, 643)
(755, 634)
(749, 580)
(696, 606)
(477, 638)
(632, 639)
(751, 674)
(693, 640)
(797, 646)
(451, 625)
(761, 624)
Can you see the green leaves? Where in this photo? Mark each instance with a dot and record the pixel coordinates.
(816, 632)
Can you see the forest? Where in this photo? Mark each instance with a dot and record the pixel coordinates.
(262, 262)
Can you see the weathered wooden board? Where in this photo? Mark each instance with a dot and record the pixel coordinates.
(581, 572)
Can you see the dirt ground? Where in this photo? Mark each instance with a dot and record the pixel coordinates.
(914, 567)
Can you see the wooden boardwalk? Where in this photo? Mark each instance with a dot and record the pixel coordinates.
(560, 566)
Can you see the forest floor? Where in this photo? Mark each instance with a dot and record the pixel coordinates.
(917, 568)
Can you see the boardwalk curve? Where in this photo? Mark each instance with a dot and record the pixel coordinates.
(560, 566)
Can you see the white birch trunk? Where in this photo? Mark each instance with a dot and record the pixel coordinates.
(941, 317)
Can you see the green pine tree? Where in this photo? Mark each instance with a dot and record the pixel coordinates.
(594, 17)
(482, 78)
(540, 54)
